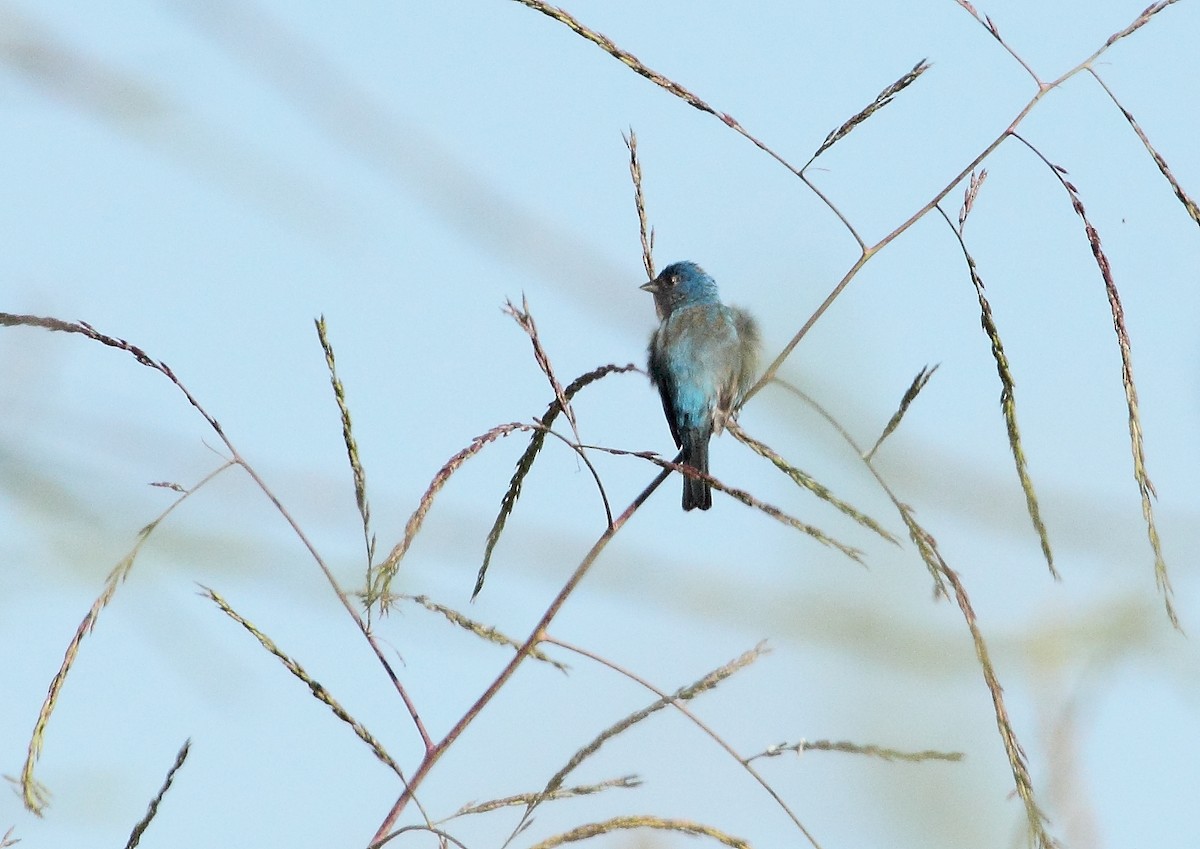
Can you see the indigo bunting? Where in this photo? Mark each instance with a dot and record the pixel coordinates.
(703, 358)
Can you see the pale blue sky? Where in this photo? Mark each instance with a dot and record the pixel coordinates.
(205, 178)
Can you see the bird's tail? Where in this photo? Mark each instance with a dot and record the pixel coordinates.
(696, 493)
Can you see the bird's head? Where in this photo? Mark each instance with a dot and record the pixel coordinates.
(681, 284)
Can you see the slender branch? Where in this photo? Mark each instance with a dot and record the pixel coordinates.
(1190, 205)
(580, 451)
(987, 23)
(870, 251)
(639, 202)
(152, 811)
(538, 634)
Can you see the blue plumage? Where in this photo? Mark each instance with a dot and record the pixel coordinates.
(703, 359)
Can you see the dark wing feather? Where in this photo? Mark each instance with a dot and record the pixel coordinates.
(660, 376)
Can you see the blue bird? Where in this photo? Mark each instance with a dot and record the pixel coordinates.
(703, 359)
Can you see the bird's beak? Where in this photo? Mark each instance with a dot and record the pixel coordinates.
(651, 287)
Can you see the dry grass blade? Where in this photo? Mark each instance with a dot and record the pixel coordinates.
(628, 59)
(685, 693)
(1145, 487)
(943, 575)
(970, 194)
(922, 539)
(746, 498)
(926, 546)
(1008, 399)
(1142, 19)
(356, 467)
(380, 586)
(708, 682)
(635, 172)
(487, 632)
(716, 738)
(910, 395)
(970, 9)
(637, 66)
(987, 23)
(524, 318)
(694, 829)
(525, 464)
(807, 482)
(775, 513)
(1164, 169)
(33, 793)
(625, 782)
(315, 687)
(881, 100)
(85, 329)
(444, 837)
(984, 20)
(868, 749)
(136, 836)
(1012, 747)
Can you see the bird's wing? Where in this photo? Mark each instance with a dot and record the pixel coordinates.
(749, 348)
(732, 335)
(660, 375)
